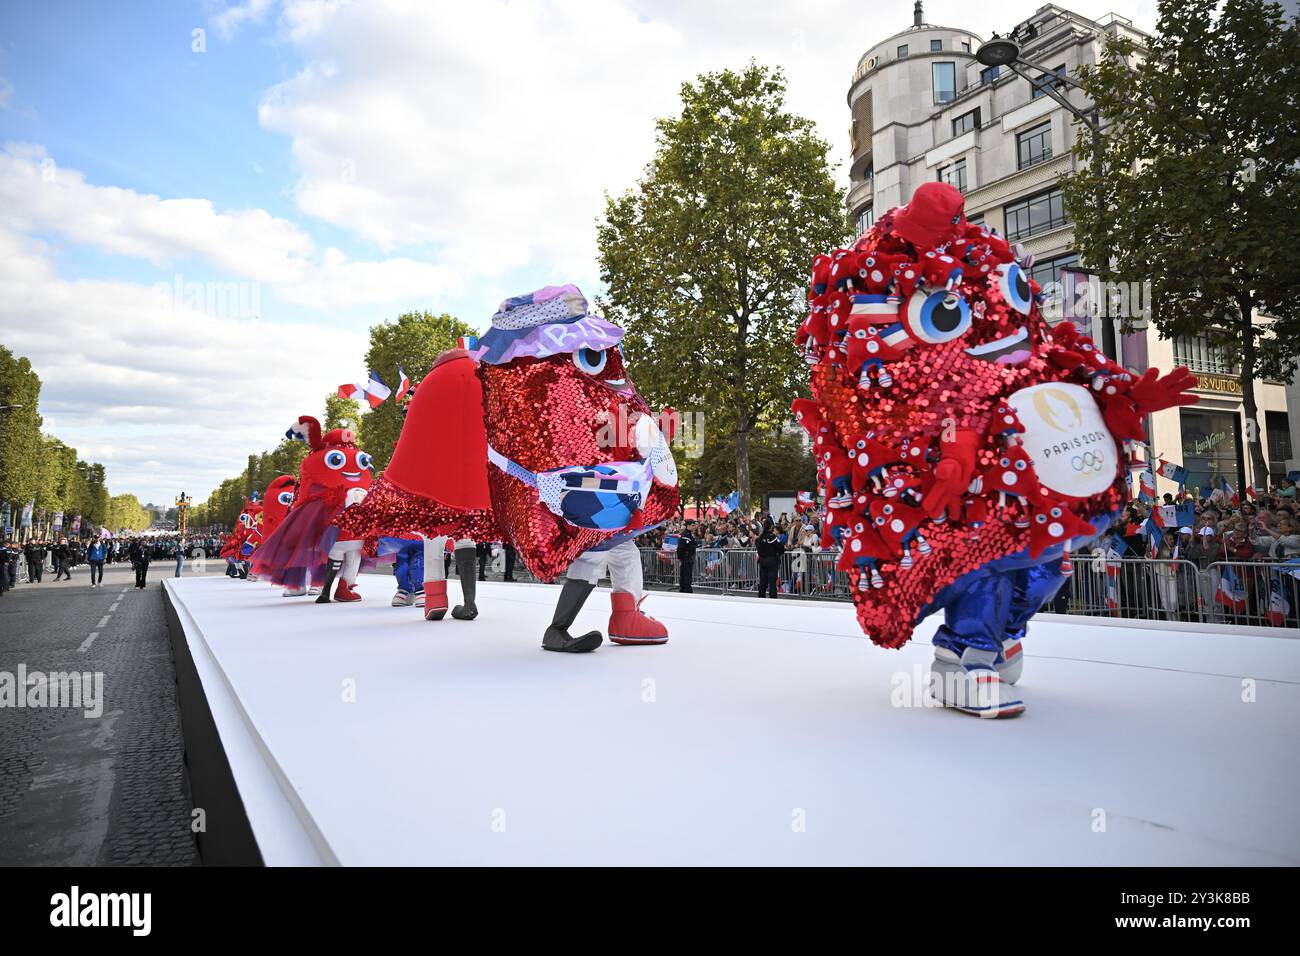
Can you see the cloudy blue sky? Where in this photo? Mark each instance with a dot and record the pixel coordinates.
(333, 164)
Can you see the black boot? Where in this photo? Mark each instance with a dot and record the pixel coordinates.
(331, 571)
(557, 637)
(465, 562)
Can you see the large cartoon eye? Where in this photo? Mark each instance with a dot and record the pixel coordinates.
(285, 498)
(937, 317)
(246, 520)
(364, 461)
(591, 361)
(1014, 285)
(335, 460)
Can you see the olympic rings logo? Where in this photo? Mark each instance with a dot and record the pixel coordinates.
(1089, 461)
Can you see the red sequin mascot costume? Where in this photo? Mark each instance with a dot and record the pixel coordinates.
(239, 545)
(578, 465)
(963, 444)
(435, 487)
(335, 475)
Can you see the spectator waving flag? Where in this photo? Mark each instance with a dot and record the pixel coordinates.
(1228, 490)
(728, 504)
(1147, 484)
(1231, 593)
(403, 384)
(1151, 527)
(1175, 473)
(1278, 604)
(376, 390)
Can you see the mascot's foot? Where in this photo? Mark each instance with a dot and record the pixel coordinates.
(331, 572)
(293, 592)
(465, 560)
(628, 625)
(435, 600)
(1011, 661)
(403, 598)
(419, 599)
(557, 636)
(345, 593)
(313, 591)
(972, 686)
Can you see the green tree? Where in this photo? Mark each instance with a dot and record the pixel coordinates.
(777, 461)
(706, 258)
(21, 443)
(339, 410)
(411, 343)
(1201, 183)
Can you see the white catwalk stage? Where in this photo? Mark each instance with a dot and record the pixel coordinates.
(763, 733)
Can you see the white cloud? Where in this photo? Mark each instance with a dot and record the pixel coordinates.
(129, 382)
(493, 128)
(229, 20)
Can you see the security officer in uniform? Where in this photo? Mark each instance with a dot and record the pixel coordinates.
(686, 547)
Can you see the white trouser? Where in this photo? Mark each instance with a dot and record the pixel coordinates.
(435, 550)
(349, 552)
(623, 563)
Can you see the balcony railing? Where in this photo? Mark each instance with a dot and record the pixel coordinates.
(1035, 159)
(1036, 228)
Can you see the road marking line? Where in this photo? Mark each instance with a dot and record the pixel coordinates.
(113, 606)
(124, 590)
(103, 621)
(88, 641)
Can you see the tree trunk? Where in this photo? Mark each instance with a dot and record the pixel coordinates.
(742, 467)
(1254, 429)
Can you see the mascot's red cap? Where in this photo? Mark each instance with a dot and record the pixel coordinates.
(935, 215)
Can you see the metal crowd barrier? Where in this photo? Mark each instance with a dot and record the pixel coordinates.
(1255, 592)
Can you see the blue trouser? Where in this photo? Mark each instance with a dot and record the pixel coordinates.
(994, 602)
(408, 567)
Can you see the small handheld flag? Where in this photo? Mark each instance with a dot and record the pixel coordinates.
(376, 390)
(403, 384)
(1175, 473)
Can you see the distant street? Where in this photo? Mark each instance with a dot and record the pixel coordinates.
(88, 790)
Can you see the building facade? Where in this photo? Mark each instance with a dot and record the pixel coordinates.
(923, 108)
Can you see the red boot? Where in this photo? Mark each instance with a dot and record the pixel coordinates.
(345, 593)
(435, 599)
(628, 625)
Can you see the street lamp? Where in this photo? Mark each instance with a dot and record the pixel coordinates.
(1005, 51)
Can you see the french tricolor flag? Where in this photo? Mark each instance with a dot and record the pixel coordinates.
(352, 390)
(376, 390)
(403, 384)
(878, 307)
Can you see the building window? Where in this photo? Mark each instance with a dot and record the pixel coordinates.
(1199, 354)
(902, 50)
(954, 174)
(1049, 270)
(1047, 81)
(865, 220)
(965, 46)
(1040, 213)
(976, 220)
(945, 81)
(1209, 447)
(936, 46)
(989, 74)
(1278, 426)
(966, 122)
(1033, 146)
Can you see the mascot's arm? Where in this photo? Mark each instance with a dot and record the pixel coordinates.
(952, 473)
(1123, 401)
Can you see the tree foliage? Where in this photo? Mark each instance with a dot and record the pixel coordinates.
(1201, 182)
(39, 468)
(706, 258)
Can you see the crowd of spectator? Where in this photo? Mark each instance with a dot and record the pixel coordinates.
(1170, 568)
(29, 561)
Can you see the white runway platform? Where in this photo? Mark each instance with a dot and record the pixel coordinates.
(763, 733)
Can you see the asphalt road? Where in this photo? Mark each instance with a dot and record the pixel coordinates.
(79, 787)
